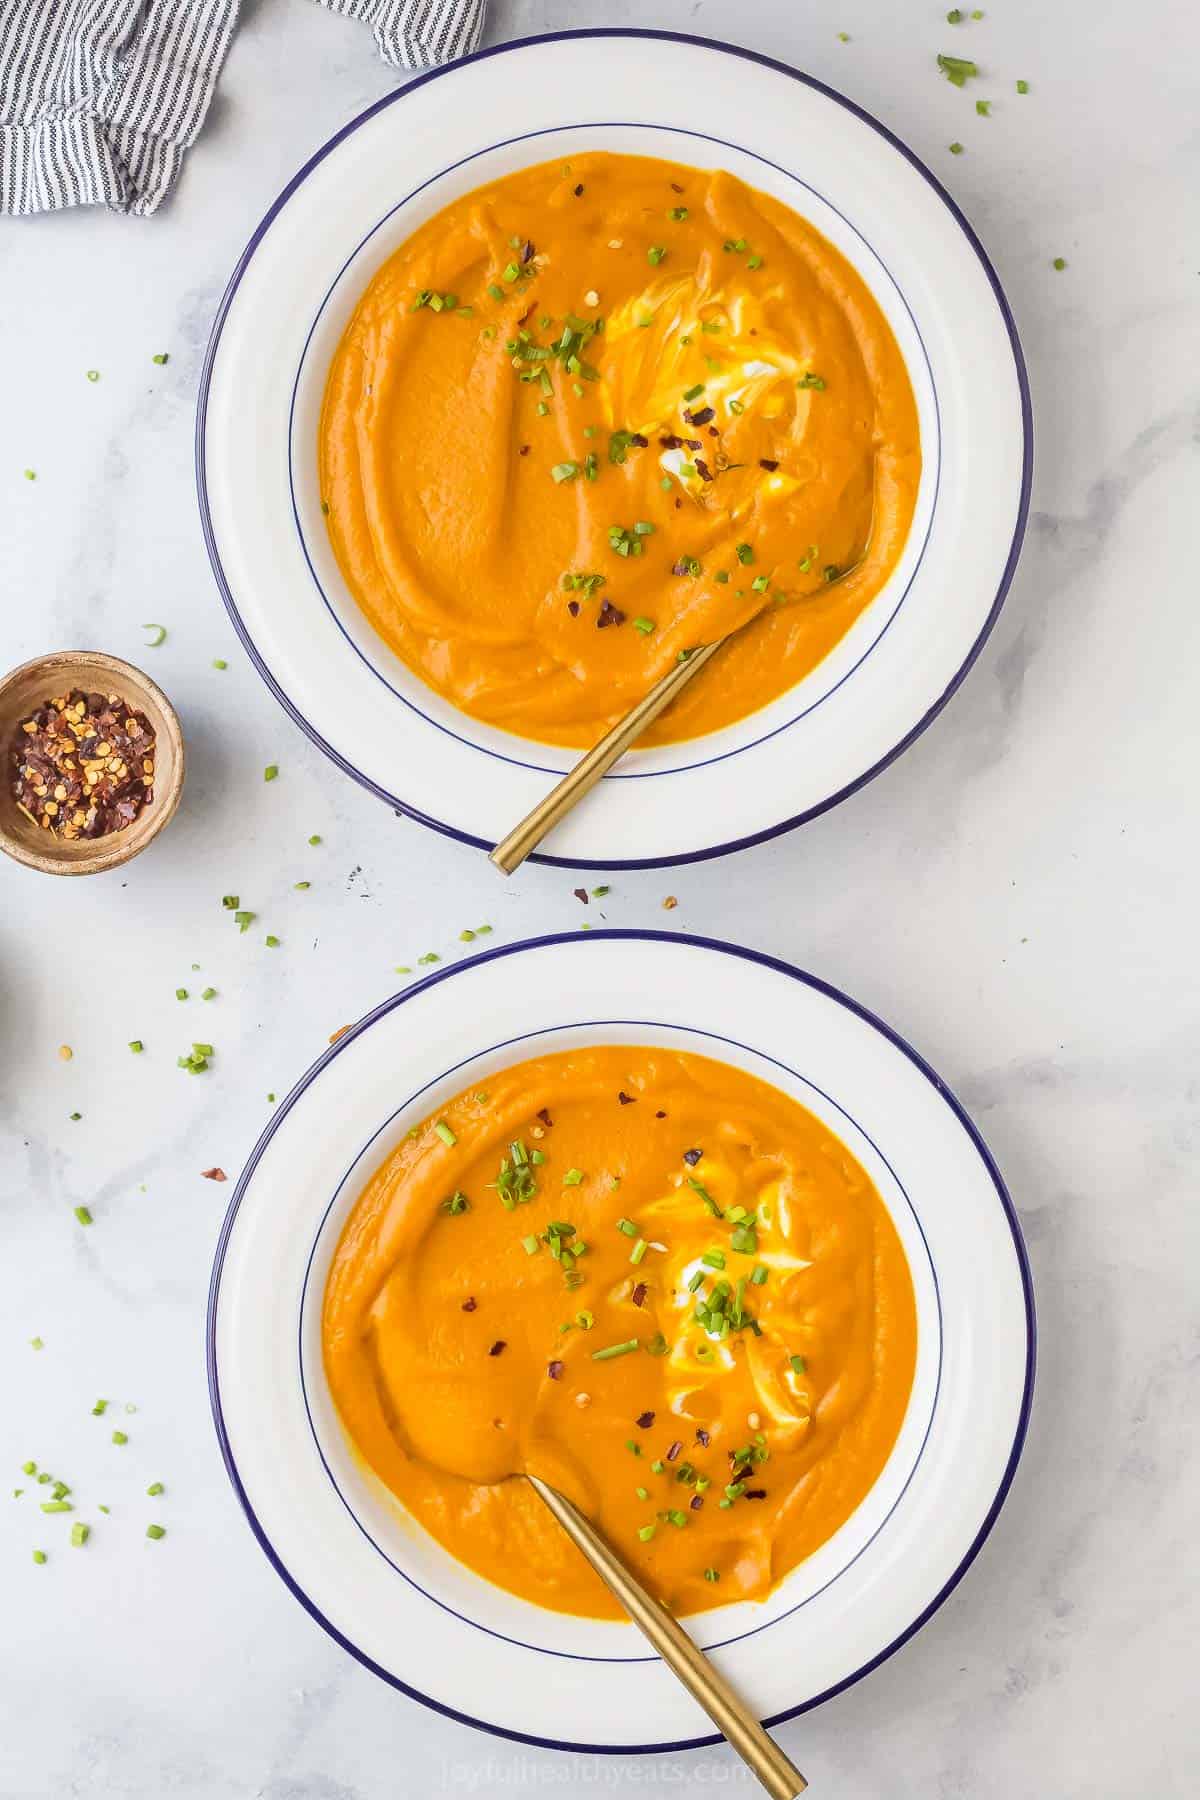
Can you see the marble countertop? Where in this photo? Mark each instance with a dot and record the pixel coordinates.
(1016, 895)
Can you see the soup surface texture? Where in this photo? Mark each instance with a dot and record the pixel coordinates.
(649, 1277)
(595, 414)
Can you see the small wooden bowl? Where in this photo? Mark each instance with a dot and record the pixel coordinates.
(29, 687)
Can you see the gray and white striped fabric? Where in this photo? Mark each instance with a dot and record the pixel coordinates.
(99, 99)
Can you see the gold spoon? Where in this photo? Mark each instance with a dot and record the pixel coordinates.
(761, 1754)
(512, 850)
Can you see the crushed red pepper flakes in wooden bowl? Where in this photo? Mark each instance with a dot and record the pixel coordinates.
(93, 762)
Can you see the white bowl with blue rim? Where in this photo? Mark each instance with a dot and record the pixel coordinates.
(395, 1598)
(653, 94)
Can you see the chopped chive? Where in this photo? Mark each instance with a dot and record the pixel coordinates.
(646, 1532)
(444, 1132)
(39, 1556)
(161, 357)
(271, 942)
(83, 1215)
(655, 254)
(80, 1534)
(152, 643)
(572, 1178)
(530, 1245)
(1060, 262)
(694, 393)
(565, 471)
(314, 839)
(745, 553)
(956, 149)
(758, 1275)
(1022, 87)
(57, 1506)
(799, 1364)
(120, 1437)
(271, 772)
(612, 1350)
(219, 662)
(645, 626)
(156, 1531)
(181, 993)
(137, 1046)
(983, 108)
(957, 69)
(628, 1227)
(754, 262)
(637, 1254)
(155, 1489)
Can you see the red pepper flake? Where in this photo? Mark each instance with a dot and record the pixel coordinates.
(555, 1370)
(755, 1494)
(578, 190)
(609, 615)
(703, 470)
(660, 1115)
(644, 1421)
(693, 444)
(702, 1437)
(697, 1502)
(675, 187)
(524, 450)
(82, 765)
(678, 504)
(692, 1157)
(637, 441)
(624, 1099)
(674, 1450)
(499, 1345)
(527, 252)
(214, 1174)
(639, 1293)
(671, 442)
(573, 608)
(767, 462)
(702, 417)
(581, 894)
(544, 1116)
(470, 1303)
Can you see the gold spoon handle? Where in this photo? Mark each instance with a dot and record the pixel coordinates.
(760, 1753)
(511, 851)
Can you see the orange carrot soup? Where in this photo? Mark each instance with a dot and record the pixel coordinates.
(596, 414)
(650, 1278)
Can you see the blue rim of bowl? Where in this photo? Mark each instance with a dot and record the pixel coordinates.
(927, 718)
(716, 756)
(699, 1031)
(779, 967)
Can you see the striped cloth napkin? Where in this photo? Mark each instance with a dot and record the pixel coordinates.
(99, 99)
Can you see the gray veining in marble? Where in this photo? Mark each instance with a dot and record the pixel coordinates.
(1017, 895)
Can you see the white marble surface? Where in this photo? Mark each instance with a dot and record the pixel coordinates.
(1016, 894)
